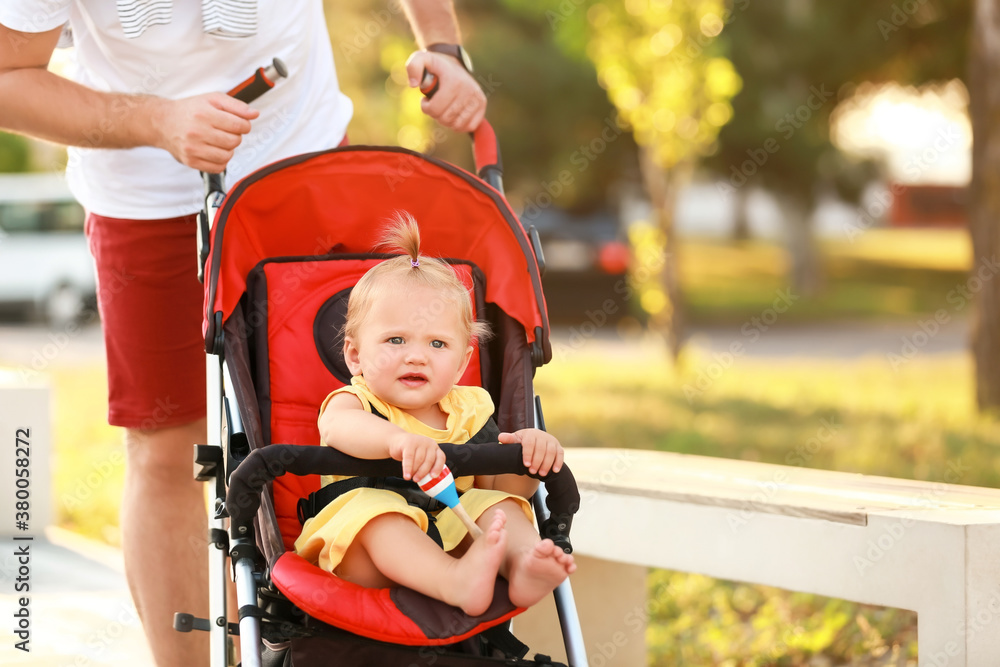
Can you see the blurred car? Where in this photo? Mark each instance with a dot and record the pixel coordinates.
(45, 267)
(586, 264)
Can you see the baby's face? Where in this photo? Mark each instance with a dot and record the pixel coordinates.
(411, 349)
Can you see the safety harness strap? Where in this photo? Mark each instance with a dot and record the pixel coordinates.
(316, 501)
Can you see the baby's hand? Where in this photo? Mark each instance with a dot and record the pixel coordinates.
(421, 456)
(542, 452)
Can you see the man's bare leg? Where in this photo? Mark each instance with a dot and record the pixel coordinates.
(164, 538)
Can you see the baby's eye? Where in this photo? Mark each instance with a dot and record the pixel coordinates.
(396, 340)
(437, 343)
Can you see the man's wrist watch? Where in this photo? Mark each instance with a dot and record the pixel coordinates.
(455, 51)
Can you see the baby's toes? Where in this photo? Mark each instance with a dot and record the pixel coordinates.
(546, 549)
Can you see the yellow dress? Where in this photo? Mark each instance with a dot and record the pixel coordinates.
(326, 536)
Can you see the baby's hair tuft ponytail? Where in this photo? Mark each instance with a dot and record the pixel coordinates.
(408, 270)
(403, 235)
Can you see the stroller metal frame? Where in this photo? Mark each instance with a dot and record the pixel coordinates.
(225, 423)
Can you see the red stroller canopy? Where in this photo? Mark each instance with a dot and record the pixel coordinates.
(339, 201)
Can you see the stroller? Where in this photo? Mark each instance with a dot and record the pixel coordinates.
(287, 245)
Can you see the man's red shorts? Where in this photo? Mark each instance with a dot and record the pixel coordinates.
(150, 302)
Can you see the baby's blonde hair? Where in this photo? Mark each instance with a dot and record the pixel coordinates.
(409, 269)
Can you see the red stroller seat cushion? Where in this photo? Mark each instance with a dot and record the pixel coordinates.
(396, 615)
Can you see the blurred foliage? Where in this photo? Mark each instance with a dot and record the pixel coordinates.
(544, 105)
(15, 154)
(558, 131)
(371, 41)
(767, 74)
(648, 255)
(659, 63)
(696, 620)
(671, 85)
(799, 58)
(674, 105)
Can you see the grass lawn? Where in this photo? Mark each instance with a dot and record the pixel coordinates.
(883, 273)
(904, 423)
(89, 461)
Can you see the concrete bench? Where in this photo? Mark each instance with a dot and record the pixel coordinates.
(932, 548)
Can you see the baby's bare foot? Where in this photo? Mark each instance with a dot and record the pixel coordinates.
(537, 572)
(470, 586)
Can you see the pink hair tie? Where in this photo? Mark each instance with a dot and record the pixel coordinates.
(414, 263)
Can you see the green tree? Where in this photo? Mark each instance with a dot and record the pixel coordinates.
(548, 113)
(795, 67)
(667, 78)
(15, 154)
(799, 58)
(542, 102)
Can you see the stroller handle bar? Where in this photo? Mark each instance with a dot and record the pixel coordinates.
(263, 465)
(485, 148)
(249, 90)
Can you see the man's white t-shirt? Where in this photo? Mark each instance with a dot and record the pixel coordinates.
(303, 113)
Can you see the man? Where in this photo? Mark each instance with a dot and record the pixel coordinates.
(143, 115)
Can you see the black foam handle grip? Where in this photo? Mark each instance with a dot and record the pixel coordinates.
(259, 82)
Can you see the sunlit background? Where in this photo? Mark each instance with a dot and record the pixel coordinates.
(923, 134)
(686, 163)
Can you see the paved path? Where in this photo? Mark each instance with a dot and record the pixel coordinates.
(81, 612)
(838, 340)
(31, 346)
(38, 347)
(827, 341)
